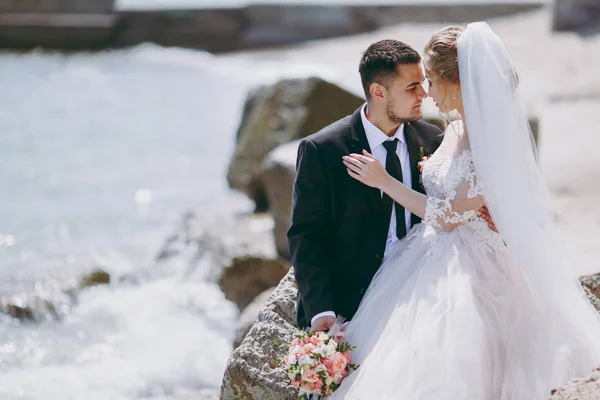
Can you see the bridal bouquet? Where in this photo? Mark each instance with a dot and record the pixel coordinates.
(317, 363)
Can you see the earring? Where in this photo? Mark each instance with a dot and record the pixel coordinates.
(454, 94)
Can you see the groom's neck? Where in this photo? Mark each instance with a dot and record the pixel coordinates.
(380, 119)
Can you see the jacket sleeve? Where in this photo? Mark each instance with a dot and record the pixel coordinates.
(309, 231)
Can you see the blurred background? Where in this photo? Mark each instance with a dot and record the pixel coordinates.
(135, 222)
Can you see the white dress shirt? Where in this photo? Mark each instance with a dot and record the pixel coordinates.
(376, 137)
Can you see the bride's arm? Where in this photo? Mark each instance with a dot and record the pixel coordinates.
(447, 214)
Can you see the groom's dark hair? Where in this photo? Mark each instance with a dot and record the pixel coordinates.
(379, 62)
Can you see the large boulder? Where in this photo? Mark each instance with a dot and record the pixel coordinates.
(248, 317)
(253, 370)
(248, 276)
(274, 115)
(278, 181)
(585, 388)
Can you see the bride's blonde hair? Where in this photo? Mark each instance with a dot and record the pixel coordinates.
(441, 54)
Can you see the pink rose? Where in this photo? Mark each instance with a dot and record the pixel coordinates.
(310, 376)
(308, 348)
(296, 384)
(339, 362)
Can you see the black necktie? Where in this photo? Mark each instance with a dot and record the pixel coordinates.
(394, 168)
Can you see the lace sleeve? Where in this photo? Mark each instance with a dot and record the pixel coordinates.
(460, 205)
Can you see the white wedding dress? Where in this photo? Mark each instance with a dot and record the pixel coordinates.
(450, 315)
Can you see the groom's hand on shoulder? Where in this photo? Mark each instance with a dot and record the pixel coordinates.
(322, 324)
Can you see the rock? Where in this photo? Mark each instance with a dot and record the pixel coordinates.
(246, 277)
(97, 277)
(50, 299)
(582, 16)
(592, 298)
(249, 315)
(252, 99)
(592, 282)
(585, 388)
(253, 371)
(591, 285)
(284, 112)
(33, 308)
(20, 312)
(278, 181)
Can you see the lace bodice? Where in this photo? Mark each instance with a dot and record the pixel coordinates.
(443, 174)
(451, 183)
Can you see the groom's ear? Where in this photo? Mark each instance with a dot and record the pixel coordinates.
(377, 91)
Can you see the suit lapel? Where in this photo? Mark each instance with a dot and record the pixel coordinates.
(357, 144)
(414, 150)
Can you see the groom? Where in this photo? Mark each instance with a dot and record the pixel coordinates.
(341, 228)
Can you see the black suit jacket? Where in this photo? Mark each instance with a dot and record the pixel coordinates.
(339, 227)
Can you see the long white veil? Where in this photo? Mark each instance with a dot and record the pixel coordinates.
(519, 202)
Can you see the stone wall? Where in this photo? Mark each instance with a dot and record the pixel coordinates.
(221, 30)
(56, 24)
(581, 16)
(228, 29)
(57, 6)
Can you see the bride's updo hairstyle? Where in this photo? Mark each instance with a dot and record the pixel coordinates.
(441, 55)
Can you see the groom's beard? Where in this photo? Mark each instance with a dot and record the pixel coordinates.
(396, 119)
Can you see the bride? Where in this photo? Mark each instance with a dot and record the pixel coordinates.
(458, 311)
